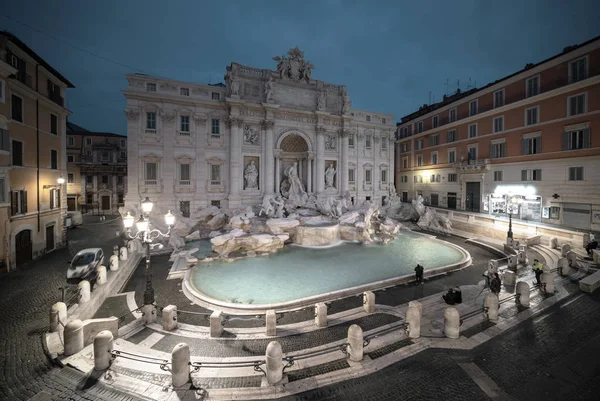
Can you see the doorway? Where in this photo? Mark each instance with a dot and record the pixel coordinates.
(404, 196)
(105, 202)
(434, 199)
(50, 238)
(452, 200)
(71, 204)
(23, 247)
(473, 198)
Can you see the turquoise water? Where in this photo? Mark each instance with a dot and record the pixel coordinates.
(295, 272)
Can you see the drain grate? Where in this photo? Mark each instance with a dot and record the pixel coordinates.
(317, 370)
(227, 382)
(478, 328)
(388, 349)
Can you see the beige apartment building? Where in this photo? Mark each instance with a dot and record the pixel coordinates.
(527, 144)
(96, 170)
(32, 153)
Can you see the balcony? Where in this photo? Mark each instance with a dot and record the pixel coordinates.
(25, 78)
(56, 98)
(185, 182)
(151, 131)
(473, 165)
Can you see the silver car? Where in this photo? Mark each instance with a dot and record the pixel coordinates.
(84, 262)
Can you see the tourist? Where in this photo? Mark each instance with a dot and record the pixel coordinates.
(419, 274)
(593, 244)
(453, 296)
(458, 295)
(538, 270)
(495, 284)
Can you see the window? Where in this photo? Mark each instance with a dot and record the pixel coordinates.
(452, 177)
(579, 139)
(384, 144)
(216, 203)
(451, 137)
(105, 179)
(419, 144)
(434, 158)
(215, 174)
(70, 178)
(472, 130)
(53, 159)
(434, 140)
(472, 153)
(532, 145)
(531, 175)
(2, 91)
(120, 199)
(151, 173)
(215, 128)
(216, 96)
(88, 141)
(403, 178)
(88, 153)
(17, 153)
(54, 198)
(123, 143)
(18, 202)
(578, 70)
(499, 124)
(184, 174)
(434, 121)
(368, 118)
(3, 195)
(384, 120)
(452, 156)
(532, 86)
(368, 178)
(184, 91)
(499, 98)
(89, 198)
(383, 176)
(351, 141)
(70, 158)
(405, 131)
(105, 156)
(71, 141)
(473, 105)
(150, 120)
(404, 147)
(185, 124)
(89, 180)
(405, 162)
(17, 108)
(419, 127)
(577, 104)
(415, 179)
(53, 124)
(122, 155)
(498, 150)
(432, 178)
(150, 87)
(120, 181)
(531, 116)
(419, 161)
(184, 207)
(452, 115)
(575, 173)
(368, 141)
(351, 175)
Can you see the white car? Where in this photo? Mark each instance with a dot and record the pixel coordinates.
(84, 262)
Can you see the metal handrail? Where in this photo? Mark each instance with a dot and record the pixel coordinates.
(140, 358)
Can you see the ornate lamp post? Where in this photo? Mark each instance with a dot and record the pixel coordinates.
(147, 235)
(513, 203)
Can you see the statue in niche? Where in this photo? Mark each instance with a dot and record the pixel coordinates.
(346, 103)
(250, 135)
(251, 176)
(269, 98)
(321, 100)
(330, 142)
(235, 85)
(292, 187)
(329, 176)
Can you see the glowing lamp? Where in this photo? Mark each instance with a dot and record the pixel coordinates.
(169, 219)
(128, 221)
(147, 205)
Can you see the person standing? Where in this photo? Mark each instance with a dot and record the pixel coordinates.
(419, 274)
(538, 270)
(495, 284)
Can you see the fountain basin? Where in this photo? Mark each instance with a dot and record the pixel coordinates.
(321, 234)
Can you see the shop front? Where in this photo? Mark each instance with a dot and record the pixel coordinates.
(521, 202)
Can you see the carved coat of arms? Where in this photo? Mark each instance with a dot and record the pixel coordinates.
(294, 66)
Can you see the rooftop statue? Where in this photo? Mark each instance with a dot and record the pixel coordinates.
(294, 66)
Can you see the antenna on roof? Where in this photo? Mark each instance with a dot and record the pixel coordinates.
(469, 86)
(429, 98)
(458, 84)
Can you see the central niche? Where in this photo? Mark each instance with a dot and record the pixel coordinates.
(294, 144)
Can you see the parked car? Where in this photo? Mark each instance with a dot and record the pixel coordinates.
(84, 262)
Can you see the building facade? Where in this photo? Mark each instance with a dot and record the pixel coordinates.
(32, 153)
(528, 144)
(96, 170)
(193, 145)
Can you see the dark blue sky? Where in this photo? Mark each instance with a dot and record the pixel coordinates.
(390, 53)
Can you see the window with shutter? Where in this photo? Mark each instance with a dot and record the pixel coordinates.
(23, 202)
(523, 175)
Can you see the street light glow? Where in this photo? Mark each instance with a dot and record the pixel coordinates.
(147, 205)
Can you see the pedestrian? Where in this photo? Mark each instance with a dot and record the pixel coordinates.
(495, 284)
(538, 270)
(419, 274)
(593, 244)
(92, 277)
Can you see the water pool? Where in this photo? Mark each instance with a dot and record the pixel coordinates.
(296, 273)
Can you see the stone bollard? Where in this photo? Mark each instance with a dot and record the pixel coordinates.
(416, 304)
(180, 365)
(563, 267)
(274, 365)
(103, 344)
(216, 324)
(369, 301)
(271, 322)
(512, 262)
(123, 253)
(58, 316)
(321, 314)
(564, 248)
(355, 343)
(548, 279)
(451, 323)
(509, 279)
(413, 321)
(522, 293)
(493, 266)
(101, 275)
(130, 247)
(84, 291)
(572, 258)
(522, 257)
(114, 263)
(490, 306)
(73, 335)
(149, 314)
(169, 317)
(553, 243)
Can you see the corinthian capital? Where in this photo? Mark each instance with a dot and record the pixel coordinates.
(167, 115)
(132, 114)
(320, 130)
(344, 132)
(232, 121)
(267, 124)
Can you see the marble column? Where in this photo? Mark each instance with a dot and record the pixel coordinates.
(269, 146)
(200, 166)
(277, 174)
(309, 174)
(166, 172)
(320, 165)
(235, 155)
(344, 133)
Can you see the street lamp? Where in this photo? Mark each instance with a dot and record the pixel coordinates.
(513, 203)
(60, 180)
(147, 235)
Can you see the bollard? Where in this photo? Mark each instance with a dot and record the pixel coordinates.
(73, 335)
(522, 257)
(493, 266)
(413, 322)
(130, 247)
(84, 291)
(180, 365)
(563, 267)
(101, 275)
(355, 343)
(123, 253)
(216, 324)
(553, 243)
(58, 316)
(451, 323)
(490, 306)
(271, 322)
(274, 365)
(522, 294)
(512, 262)
(369, 301)
(572, 258)
(103, 344)
(418, 305)
(321, 314)
(509, 279)
(114, 263)
(169, 317)
(149, 314)
(564, 248)
(547, 283)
